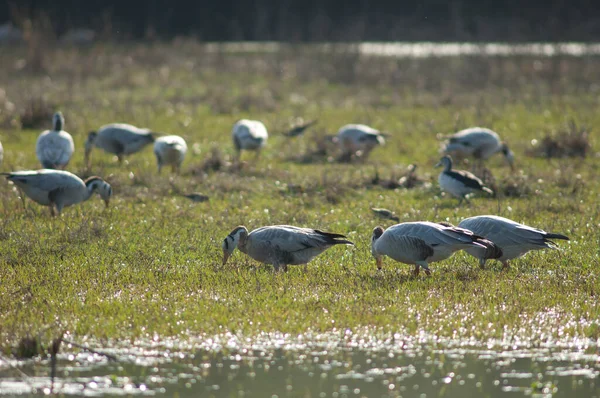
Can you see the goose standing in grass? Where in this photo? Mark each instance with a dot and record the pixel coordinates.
(358, 139)
(119, 139)
(58, 188)
(420, 243)
(249, 135)
(55, 147)
(170, 150)
(281, 245)
(459, 183)
(479, 143)
(513, 239)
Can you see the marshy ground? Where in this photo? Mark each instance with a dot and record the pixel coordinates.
(148, 269)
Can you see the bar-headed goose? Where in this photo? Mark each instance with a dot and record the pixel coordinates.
(513, 239)
(420, 243)
(299, 129)
(55, 147)
(249, 135)
(358, 139)
(119, 139)
(281, 245)
(58, 188)
(170, 150)
(459, 183)
(479, 143)
(385, 213)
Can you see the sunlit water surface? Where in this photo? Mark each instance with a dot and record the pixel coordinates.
(336, 364)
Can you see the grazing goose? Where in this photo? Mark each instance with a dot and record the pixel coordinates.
(513, 239)
(385, 213)
(420, 243)
(299, 129)
(358, 139)
(250, 135)
(281, 245)
(119, 139)
(55, 147)
(459, 183)
(479, 143)
(58, 188)
(170, 150)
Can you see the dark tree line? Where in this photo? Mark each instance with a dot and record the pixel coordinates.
(313, 20)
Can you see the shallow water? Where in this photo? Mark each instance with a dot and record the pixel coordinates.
(325, 365)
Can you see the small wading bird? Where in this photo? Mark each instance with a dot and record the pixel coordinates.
(459, 183)
(358, 140)
(513, 239)
(170, 150)
(385, 213)
(57, 188)
(55, 147)
(299, 129)
(281, 245)
(119, 139)
(196, 197)
(249, 135)
(479, 143)
(420, 243)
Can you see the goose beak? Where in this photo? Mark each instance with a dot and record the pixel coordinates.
(225, 256)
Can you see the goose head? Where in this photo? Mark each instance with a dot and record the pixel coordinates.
(58, 121)
(509, 155)
(89, 144)
(446, 162)
(101, 187)
(377, 232)
(236, 238)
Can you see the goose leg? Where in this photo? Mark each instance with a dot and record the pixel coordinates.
(416, 270)
(305, 268)
(482, 263)
(120, 158)
(505, 265)
(422, 264)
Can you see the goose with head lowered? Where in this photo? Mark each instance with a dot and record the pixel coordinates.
(512, 238)
(58, 188)
(459, 183)
(249, 135)
(358, 140)
(420, 243)
(170, 150)
(479, 143)
(281, 245)
(119, 139)
(54, 148)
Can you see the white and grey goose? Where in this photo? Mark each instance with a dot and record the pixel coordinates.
(119, 139)
(420, 243)
(249, 135)
(54, 148)
(358, 139)
(281, 245)
(459, 183)
(512, 238)
(170, 150)
(479, 143)
(58, 188)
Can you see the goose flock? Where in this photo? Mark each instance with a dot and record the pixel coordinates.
(484, 237)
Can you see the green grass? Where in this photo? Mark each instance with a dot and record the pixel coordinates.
(151, 263)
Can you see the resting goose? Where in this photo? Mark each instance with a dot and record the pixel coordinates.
(358, 139)
(512, 238)
(385, 213)
(119, 139)
(250, 135)
(479, 143)
(281, 245)
(420, 243)
(459, 183)
(55, 147)
(58, 188)
(170, 150)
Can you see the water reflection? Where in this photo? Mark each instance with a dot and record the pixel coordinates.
(391, 369)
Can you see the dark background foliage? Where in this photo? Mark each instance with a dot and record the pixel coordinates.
(312, 20)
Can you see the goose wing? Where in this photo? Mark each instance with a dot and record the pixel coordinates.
(294, 239)
(433, 233)
(46, 180)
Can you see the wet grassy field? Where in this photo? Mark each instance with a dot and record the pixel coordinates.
(149, 267)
